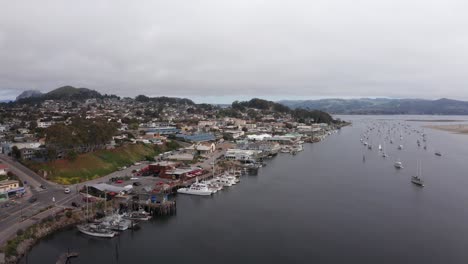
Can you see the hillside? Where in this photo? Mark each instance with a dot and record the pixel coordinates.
(96, 164)
(269, 107)
(383, 106)
(28, 94)
(62, 93)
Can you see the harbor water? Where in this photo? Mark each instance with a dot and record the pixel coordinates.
(324, 205)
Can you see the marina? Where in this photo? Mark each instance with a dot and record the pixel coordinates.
(265, 213)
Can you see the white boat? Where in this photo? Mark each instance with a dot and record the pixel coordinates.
(116, 222)
(233, 179)
(96, 230)
(223, 181)
(380, 147)
(398, 165)
(196, 188)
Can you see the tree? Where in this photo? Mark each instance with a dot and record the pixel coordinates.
(15, 152)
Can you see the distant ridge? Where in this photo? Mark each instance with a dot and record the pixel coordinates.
(383, 106)
(28, 94)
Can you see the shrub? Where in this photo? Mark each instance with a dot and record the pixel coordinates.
(68, 214)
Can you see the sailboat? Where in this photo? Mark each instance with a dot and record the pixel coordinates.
(417, 179)
(383, 151)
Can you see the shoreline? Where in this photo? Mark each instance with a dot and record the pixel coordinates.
(24, 245)
(20, 245)
(457, 129)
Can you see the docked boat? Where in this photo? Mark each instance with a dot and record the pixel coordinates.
(117, 222)
(140, 215)
(196, 188)
(398, 165)
(96, 230)
(223, 181)
(232, 179)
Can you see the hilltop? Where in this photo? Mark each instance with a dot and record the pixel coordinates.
(383, 106)
(61, 93)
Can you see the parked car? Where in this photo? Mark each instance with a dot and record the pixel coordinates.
(67, 190)
(136, 183)
(75, 204)
(32, 199)
(119, 181)
(42, 187)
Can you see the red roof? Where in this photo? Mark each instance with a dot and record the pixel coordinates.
(3, 166)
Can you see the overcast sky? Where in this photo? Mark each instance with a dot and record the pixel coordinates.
(237, 49)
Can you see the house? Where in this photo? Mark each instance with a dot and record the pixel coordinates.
(9, 188)
(241, 154)
(235, 133)
(205, 148)
(3, 169)
(27, 153)
(44, 123)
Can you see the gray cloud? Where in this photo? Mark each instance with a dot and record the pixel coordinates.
(321, 48)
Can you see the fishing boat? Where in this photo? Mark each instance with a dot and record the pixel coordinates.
(96, 230)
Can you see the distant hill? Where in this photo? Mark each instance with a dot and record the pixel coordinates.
(28, 94)
(70, 92)
(62, 93)
(269, 107)
(383, 106)
(164, 100)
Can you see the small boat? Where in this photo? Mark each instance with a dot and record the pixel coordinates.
(400, 147)
(384, 154)
(140, 215)
(398, 165)
(438, 153)
(380, 147)
(223, 181)
(96, 230)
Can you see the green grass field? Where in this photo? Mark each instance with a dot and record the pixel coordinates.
(96, 164)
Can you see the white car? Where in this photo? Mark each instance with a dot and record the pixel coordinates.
(67, 190)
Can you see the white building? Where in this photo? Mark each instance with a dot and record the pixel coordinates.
(240, 154)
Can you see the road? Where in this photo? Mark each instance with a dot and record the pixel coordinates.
(20, 213)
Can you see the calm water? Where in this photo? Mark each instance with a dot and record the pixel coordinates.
(324, 205)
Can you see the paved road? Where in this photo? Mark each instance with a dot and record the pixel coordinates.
(19, 213)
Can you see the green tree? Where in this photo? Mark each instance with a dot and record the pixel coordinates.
(15, 152)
